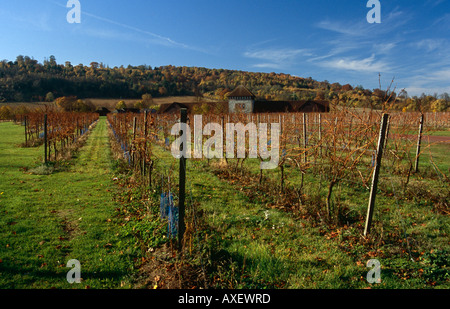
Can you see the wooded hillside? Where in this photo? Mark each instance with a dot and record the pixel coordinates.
(27, 80)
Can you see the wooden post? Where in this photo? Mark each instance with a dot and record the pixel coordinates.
(145, 124)
(419, 138)
(26, 137)
(387, 132)
(145, 143)
(305, 144)
(373, 188)
(182, 184)
(320, 134)
(133, 144)
(45, 139)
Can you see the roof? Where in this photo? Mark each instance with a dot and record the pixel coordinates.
(241, 91)
(191, 107)
(291, 106)
(171, 107)
(259, 106)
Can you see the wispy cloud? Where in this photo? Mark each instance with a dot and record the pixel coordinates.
(442, 22)
(276, 58)
(427, 81)
(441, 75)
(359, 27)
(154, 37)
(346, 28)
(159, 38)
(369, 64)
(429, 45)
(433, 3)
(40, 21)
(384, 48)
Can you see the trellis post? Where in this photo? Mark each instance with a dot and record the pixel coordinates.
(419, 139)
(45, 139)
(305, 136)
(373, 188)
(182, 181)
(25, 122)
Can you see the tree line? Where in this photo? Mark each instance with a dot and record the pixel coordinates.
(27, 80)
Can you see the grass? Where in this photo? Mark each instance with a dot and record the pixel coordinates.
(256, 247)
(253, 244)
(239, 234)
(50, 218)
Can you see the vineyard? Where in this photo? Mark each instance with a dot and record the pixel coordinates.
(58, 131)
(323, 176)
(337, 147)
(223, 221)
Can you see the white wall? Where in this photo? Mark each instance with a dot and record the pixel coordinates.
(248, 106)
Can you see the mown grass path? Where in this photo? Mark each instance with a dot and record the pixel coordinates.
(46, 220)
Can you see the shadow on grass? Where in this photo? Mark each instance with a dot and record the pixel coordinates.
(31, 277)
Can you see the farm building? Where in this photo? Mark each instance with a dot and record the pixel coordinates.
(242, 100)
(102, 111)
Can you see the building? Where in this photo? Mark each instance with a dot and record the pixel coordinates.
(300, 106)
(102, 111)
(242, 100)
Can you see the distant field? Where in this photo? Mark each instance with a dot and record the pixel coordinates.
(111, 103)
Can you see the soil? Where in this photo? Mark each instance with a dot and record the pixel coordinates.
(425, 138)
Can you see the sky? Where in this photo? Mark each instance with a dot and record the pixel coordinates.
(326, 40)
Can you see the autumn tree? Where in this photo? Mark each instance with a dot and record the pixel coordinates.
(440, 105)
(66, 103)
(147, 100)
(49, 97)
(5, 113)
(121, 105)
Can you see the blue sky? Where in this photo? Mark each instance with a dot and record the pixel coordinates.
(325, 40)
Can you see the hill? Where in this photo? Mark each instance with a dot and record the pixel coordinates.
(27, 80)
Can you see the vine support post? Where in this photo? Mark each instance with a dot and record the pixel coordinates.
(45, 139)
(182, 180)
(144, 131)
(133, 144)
(419, 139)
(25, 123)
(373, 188)
(320, 134)
(305, 137)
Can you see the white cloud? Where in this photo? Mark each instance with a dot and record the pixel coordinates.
(428, 81)
(441, 75)
(339, 27)
(442, 22)
(359, 65)
(151, 36)
(384, 48)
(277, 55)
(429, 45)
(276, 58)
(270, 65)
(358, 27)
